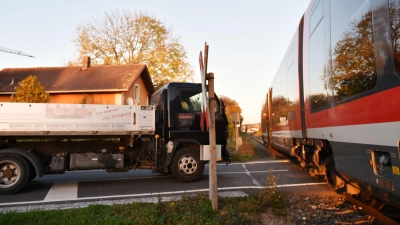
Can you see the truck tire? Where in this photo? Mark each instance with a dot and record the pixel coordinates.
(14, 173)
(186, 165)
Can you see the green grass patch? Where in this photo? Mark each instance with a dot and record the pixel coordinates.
(188, 210)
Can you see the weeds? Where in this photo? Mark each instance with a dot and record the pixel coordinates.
(273, 198)
(246, 150)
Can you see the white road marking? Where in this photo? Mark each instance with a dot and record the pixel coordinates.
(62, 191)
(259, 162)
(105, 179)
(261, 171)
(248, 173)
(157, 195)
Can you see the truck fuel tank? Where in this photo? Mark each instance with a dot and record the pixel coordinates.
(90, 161)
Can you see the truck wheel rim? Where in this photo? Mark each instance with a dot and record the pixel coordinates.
(188, 165)
(9, 174)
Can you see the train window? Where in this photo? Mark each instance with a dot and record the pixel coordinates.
(279, 101)
(394, 9)
(292, 81)
(318, 92)
(353, 52)
(316, 15)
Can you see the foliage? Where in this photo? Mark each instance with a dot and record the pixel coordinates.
(30, 90)
(258, 133)
(131, 38)
(354, 65)
(281, 108)
(394, 8)
(231, 106)
(318, 101)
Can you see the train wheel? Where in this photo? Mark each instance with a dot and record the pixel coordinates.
(187, 166)
(370, 200)
(14, 173)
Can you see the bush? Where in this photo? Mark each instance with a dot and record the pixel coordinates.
(30, 90)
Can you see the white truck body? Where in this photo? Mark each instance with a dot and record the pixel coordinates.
(75, 119)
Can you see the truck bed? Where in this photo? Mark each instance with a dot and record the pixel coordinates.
(37, 119)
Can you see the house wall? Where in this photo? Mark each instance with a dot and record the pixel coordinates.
(80, 98)
(5, 98)
(143, 96)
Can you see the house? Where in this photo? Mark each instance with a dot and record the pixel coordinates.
(87, 84)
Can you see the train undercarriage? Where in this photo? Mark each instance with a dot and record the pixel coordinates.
(316, 157)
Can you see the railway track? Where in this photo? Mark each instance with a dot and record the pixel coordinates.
(371, 215)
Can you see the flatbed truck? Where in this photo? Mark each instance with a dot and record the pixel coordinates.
(164, 136)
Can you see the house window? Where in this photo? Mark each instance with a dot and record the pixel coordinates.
(136, 93)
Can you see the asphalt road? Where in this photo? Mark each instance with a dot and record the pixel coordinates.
(235, 179)
(88, 186)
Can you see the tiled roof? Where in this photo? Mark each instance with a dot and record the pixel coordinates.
(74, 79)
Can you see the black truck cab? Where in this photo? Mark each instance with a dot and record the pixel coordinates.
(178, 122)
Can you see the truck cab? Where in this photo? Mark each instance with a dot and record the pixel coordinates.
(178, 122)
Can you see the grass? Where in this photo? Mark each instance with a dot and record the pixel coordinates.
(246, 150)
(188, 210)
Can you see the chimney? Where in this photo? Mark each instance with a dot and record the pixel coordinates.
(85, 63)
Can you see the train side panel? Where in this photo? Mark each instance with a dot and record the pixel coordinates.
(281, 120)
(351, 98)
(344, 119)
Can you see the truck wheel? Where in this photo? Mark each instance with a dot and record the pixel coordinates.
(186, 165)
(14, 173)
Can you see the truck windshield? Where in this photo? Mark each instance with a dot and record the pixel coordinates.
(191, 101)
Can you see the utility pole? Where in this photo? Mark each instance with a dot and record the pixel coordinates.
(213, 147)
(208, 113)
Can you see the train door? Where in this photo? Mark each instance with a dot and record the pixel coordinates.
(300, 74)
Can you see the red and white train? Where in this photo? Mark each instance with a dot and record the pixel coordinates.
(334, 103)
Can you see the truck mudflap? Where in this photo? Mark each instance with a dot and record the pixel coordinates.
(90, 161)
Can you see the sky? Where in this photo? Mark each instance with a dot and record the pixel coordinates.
(247, 39)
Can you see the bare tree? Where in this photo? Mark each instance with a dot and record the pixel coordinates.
(123, 37)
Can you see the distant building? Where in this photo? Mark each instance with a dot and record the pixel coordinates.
(85, 84)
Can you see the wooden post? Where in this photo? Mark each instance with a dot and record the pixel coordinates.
(213, 156)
